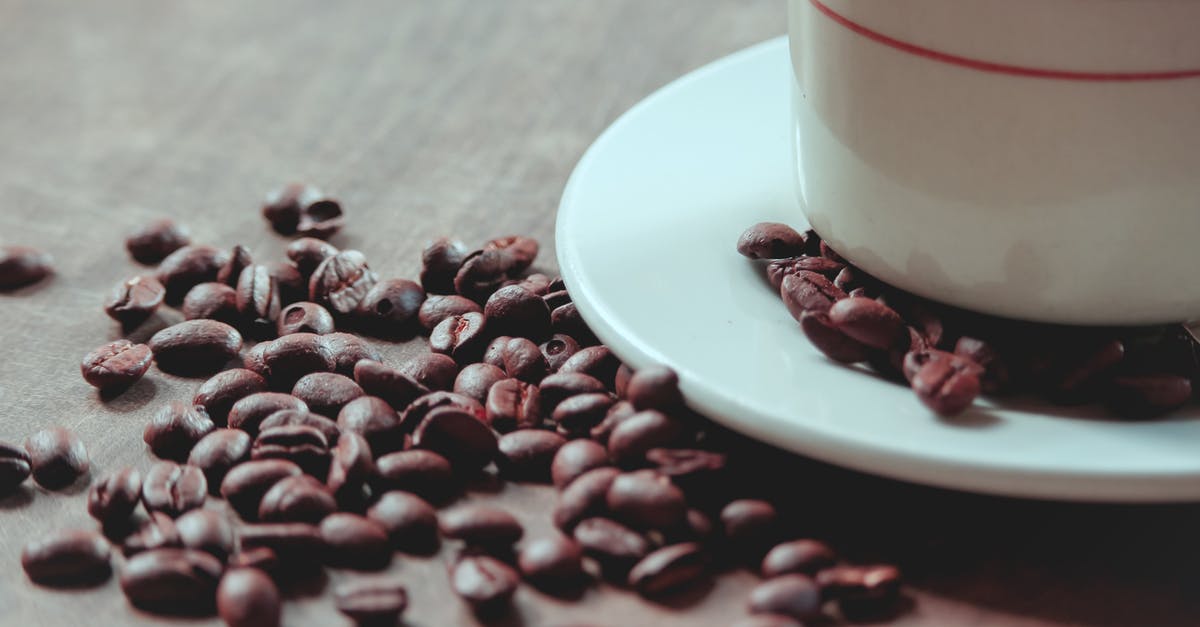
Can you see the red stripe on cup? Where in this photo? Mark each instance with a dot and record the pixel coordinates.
(1000, 68)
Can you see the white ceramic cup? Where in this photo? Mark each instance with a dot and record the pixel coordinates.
(1037, 159)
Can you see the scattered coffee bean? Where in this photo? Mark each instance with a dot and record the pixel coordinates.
(351, 466)
(835, 344)
(22, 265)
(461, 337)
(771, 240)
(558, 387)
(308, 253)
(554, 561)
(618, 413)
(513, 404)
(239, 259)
(390, 306)
(249, 412)
(395, 387)
(515, 311)
(526, 454)
(172, 581)
(575, 458)
(246, 597)
(457, 435)
(556, 298)
(116, 364)
(613, 545)
(245, 484)
(374, 420)
(668, 569)
(476, 380)
(751, 526)
(320, 216)
(341, 282)
(113, 498)
(576, 415)
(300, 498)
(220, 393)
(805, 291)
(566, 320)
(292, 356)
(868, 321)
(353, 541)
(293, 286)
(302, 445)
(219, 451)
(157, 531)
(947, 386)
(281, 208)
(188, 267)
(480, 525)
(795, 595)
(654, 388)
(807, 557)
(195, 346)
(432, 370)
(483, 272)
(67, 557)
(411, 522)
(596, 361)
(522, 359)
(536, 283)
(348, 349)
(211, 301)
(371, 601)
(524, 250)
(307, 419)
(326, 393)
(487, 584)
(153, 242)
(869, 588)
(175, 429)
(423, 473)
(173, 489)
(438, 307)
(779, 269)
(258, 300)
(621, 381)
(440, 261)
(646, 499)
(57, 457)
(133, 301)
(584, 497)
(637, 434)
(206, 530)
(14, 467)
(293, 543)
(305, 317)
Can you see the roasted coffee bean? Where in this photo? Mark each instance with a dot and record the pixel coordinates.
(173, 489)
(476, 380)
(440, 261)
(195, 346)
(668, 569)
(874, 586)
(751, 526)
(438, 307)
(831, 341)
(341, 281)
(779, 269)
(305, 317)
(239, 259)
(699, 526)
(348, 349)
(326, 393)
(557, 350)
(395, 387)
(156, 532)
(513, 404)
(255, 360)
(526, 454)
(637, 434)
(566, 320)
(946, 387)
(116, 364)
(613, 545)
(524, 250)
(188, 267)
(1078, 370)
(292, 285)
(646, 499)
(153, 242)
(22, 265)
(353, 541)
(483, 272)
(258, 300)
(461, 337)
(575, 458)
(916, 359)
(432, 370)
(320, 216)
(57, 457)
(294, 418)
(522, 359)
(302, 445)
(849, 278)
(411, 522)
(14, 467)
(113, 498)
(250, 411)
(1146, 396)
(995, 377)
(618, 413)
(584, 497)
(374, 420)
(621, 381)
(378, 601)
(424, 473)
(559, 387)
(245, 484)
(206, 530)
(654, 388)
(808, 291)
(556, 298)
(261, 558)
(576, 415)
(220, 393)
(246, 597)
(292, 356)
(487, 584)
(493, 355)
(698, 473)
(416, 411)
(771, 240)
(293, 543)
(868, 321)
(596, 361)
(172, 581)
(67, 557)
(308, 253)
(515, 311)
(296, 499)
(390, 306)
(281, 208)
(175, 429)
(553, 561)
(457, 435)
(536, 283)
(768, 620)
(807, 557)
(795, 595)
(219, 451)
(351, 465)
(211, 301)
(133, 301)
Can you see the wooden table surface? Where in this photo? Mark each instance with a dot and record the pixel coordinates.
(462, 117)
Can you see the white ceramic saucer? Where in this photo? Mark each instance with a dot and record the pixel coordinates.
(645, 236)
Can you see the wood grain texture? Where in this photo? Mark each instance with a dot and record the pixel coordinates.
(427, 118)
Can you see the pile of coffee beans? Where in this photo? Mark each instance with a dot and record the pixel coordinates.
(950, 356)
(304, 449)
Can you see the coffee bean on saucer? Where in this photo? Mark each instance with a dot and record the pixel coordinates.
(354, 541)
(258, 300)
(423, 473)
(173, 581)
(247, 597)
(513, 404)
(297, 499)
(461, 337)
(668, 569)
(219, 451)
(485, 583)
(195, 346)
(374, 420)
(483, 272)
(771, 240)
(410, 521)
(946, 387)
(57, 457)
(438, 307)
(432, 370)
(868, 321)
(341, 282)
(440, 261)
(175, 429)
(515, 311)
(134, 300)
(211, 301)
(206, 530)
(1149, 395)
(245, 484)
(116, 364)
(220, 393)
(250, 411)
(67, 557)
(188, 267)
(112, 499)
(377, 601)
(780, 269)
(523, 250)
(150, 244)
(173, 489)
(575, 458)
(326, 393)
(557, 350)
(807, 557)
(390, 305)
(808, 291)
(794, 595)
(553, 561)
(830, 340)
(308, 253)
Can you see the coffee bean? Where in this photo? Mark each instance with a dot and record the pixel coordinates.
(437, 308)
(188, 267)
(637, 434)
(809, 292)
(487, 584)
(750, 525)
(646, 499)
(617, 414)
(566, 320)
(57, 457)
(526, 454)
(483, 272)
(522, 359)
(341, 281)
(513, 404)
(219, 394)
(173, 489)
(305, 317)
(515, 311)
(395, 387)
(133, 301)
(557, 350)
(699, 526)
(552, 562)
(654, 388)
(424, 473)
(211, 301)
(596, 361)
(476, 380)
(293, 543)
(780, 269)
(116, 364)
(559, 387)
(768, 620)
(308, 253)
(698, 473)
(219, 451)
(457, 435)
(916, 359)
(296, 499)
(67, 557)
(113, 498)
(292, 356)
(524, 250)
(245, 484)
(417, 410)
(440, 261)
(771, 240)
(295, 418)
(346, 350)
(206, 530)
(621, 381)
(172, 581)
(246, 597)
(302, 445)
(868, 321)
(293, 286)
(807, 557)
(995, 376)
(351, 465)
(575, 458)
(584, 497)
(352, 541)
(576, 415)
(281, 208)
(668, 569)
(175, 429)
(946, 386)
(14, 467)
(22, 265)
(461, 337)
(152, 243)
(261, 558)
(371, 601)
(326, 393)
(156, 532)
(258, 300)
(432, 370)
(613, 545)
(320, 216)
(868, 587)
(1146, 396)
(831, 341)
(536, 283)
(792, 595)
(195, 346)
(493, 355)
(390, 306)
(249, 412)
(410, 521)
(374, 420)
(239, 259)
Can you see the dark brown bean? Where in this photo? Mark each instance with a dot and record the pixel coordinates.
(576, 415)
(557, 350)
(246, 597)
(416, 411)
(795, 595)
(440, 261)
(476, 380)
(613, 545)
(239, 259)
(249, 412)
(157, 531)
(668, 569)
(292, 285)
(292, 356)
(411, 522)
(14, 467)
(698, 473)
(526, 454)
(211, 301)
(869, 587)
(341, 281)
(153, 242)
(646, 499)
(424, 473)
(305, 317)
(558, 387)
(296, 499)
(173, 489)
(654, 388)
(22, 265)
(353, 541)
(374, 420)
(172, 581)
(206, 530)
(57, 457)
(188, 267)
(326, 393)
(457, 435)
(302, 445)
(513, 404)
(553, 561)
(390, 306)
(220, 393)
(219, 451)
(175, 429)
(808, 292)
(113, 498)
(807, 557)
(596, 361)
(778, 269)
(133, 301)
(515, 311)
(432, 370)
(320, 216)
(260, 558)
(575, 458)
(1146, 396)
(524, 250)
(868, 321)
(258, 300)
(295, 418)
(390, 384)
(245, 484)
(308, 253)
(946, 386)
(195, 346)
(522, 359)
(835, 344)
(67, 557)
(771, 240)
(116, 364)
(637, 434)
(483, 272)
(348, 349)
(293, 543)
(584, 497)
(438, 307)
(566, 320)
(995, 376)
(618, 413)
(461, 337)
(751, 526)
(372, 601)
(537, 283)
(351, 466)
(281, 207)
(487, 584)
